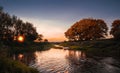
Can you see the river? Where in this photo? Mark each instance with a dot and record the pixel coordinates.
(67, 61)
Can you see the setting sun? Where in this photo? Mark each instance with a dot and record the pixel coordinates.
(20, 38)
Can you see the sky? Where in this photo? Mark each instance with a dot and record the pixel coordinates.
(53, 17)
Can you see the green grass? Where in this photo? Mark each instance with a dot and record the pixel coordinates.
(11, 66)
(101, 48)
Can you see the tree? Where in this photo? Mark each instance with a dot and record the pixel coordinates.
(30, 32)
(11, 26)
(87, 29)
(115, 30)
(5, 26)
(46, 40)
(40, 37)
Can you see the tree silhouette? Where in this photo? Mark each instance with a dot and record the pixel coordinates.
(87, 29)
(115, 30)
(5, 26)
(40, 36)
(46, 40)
(11, 26)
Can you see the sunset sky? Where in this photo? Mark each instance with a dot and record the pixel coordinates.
(53, 17)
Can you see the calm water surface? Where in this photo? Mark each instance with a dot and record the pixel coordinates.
(67, 61)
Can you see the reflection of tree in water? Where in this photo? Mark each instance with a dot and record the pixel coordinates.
(76, 57)
(26, 58)
(78, 63)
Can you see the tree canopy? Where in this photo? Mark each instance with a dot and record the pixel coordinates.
(87, 29)
(115, 30)
(11, 26)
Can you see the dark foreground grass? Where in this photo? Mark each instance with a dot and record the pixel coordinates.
(11, 66)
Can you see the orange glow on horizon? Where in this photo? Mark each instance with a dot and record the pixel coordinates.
(20, 38)
(56, 39)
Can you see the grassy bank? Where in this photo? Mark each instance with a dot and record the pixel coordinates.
(11, 66)
(8, 65)
(29, 47)
(101, 48)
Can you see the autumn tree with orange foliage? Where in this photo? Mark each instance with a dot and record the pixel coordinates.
(115, 31)
(87, 29)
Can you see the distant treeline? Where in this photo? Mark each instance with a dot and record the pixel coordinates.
(11, 27)
(92, 29)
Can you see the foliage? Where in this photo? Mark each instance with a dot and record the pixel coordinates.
(40, 37)
(87, 29)
(11, 26)
(45, 40)
(115, 31)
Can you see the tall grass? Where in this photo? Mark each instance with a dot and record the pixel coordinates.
(11, 66)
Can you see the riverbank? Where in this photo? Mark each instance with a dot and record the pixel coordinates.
(99, 48)
(8, 65)
(29, 47)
